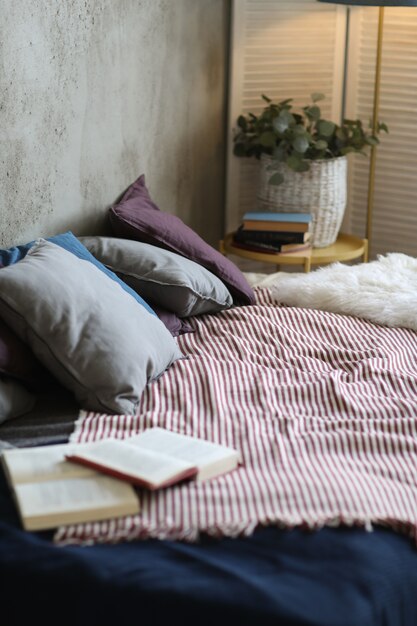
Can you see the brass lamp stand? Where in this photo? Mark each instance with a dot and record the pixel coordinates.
(375, 117)
(381, 4)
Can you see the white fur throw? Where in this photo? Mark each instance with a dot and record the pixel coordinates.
(383, 291)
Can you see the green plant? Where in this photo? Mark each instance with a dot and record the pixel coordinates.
(296, 138)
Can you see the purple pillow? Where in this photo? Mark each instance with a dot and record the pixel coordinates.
(176, 325)
(18, 361)
(137, 217)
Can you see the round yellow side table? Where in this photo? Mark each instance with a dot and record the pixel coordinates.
(345, 248)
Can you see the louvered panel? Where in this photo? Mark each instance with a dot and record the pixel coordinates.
(395, 204)
(284, 49)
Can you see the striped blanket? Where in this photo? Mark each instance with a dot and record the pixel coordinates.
(323, 408)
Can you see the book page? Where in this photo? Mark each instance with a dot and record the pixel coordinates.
(42, 463)
(144, 467)
(48, 504)
(191, 449)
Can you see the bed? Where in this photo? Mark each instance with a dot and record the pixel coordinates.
(317, 527)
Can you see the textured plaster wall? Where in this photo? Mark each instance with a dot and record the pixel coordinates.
(94, 93)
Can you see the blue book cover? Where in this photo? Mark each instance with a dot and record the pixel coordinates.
(300, 218)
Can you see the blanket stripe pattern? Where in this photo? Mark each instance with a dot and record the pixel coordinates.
(322, 407)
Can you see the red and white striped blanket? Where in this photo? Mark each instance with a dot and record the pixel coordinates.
(323, 408)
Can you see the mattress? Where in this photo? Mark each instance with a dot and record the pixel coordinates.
(298, 564)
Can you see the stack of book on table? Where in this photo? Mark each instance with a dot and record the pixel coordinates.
(282, 233)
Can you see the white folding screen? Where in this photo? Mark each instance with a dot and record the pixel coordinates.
(291, 48)
(395, 202)
(284, 49)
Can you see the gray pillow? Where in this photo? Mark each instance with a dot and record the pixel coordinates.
(15, 399)
(85, 328)
(162, 277)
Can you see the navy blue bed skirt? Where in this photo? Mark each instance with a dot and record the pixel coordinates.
(331, 577)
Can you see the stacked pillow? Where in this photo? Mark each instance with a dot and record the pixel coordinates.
(97, 336)
(79, 309)
(70, 243)
(161, 277)
(16, 358)
(137, 217)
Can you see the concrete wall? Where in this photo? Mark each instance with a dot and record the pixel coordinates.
(94, 93)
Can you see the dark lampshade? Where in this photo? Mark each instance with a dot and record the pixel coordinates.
(374, 3)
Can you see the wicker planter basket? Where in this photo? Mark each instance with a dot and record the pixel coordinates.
(321, 191)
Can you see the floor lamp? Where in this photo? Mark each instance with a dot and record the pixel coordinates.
(381, 4)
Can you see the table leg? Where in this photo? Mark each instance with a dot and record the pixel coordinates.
(365, 251)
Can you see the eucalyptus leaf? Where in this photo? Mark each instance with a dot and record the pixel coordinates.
(298, 137)
(276, 179)
(241, 122)
(299, 129)
(283, 121)
(313, 113)
(317, 96)
(300, 144)
(325, 128)
(267, 139)
(297, 163)
(347, 150)
(321, 144)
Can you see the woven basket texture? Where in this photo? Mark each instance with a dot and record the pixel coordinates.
(322, 191)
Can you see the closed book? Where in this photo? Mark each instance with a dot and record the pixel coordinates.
(272, 237)
(260, 216)
(305, 253)
(288, 248)
(293, 227)
(266, 248)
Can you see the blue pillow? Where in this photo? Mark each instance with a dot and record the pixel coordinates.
(69, 242)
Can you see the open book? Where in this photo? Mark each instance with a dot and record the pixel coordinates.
(157, 458)
(50, 491)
